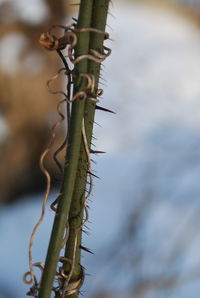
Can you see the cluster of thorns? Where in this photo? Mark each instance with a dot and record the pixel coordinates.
(68, 40)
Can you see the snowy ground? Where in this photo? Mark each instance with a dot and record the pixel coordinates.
(153, 156)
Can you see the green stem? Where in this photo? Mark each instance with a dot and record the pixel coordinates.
(72, 159)
(99, 16)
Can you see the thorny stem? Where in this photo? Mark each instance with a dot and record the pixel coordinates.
(99, 16)
(72, 159)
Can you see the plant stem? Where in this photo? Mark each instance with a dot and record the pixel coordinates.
(72, 158)
(99, 16)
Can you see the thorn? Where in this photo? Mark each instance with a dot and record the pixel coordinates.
(90, 173)
(100, 76)
(96, 152)
(87, 228)
(83, 267)
(86, 249)
(108, 26)
(102, 69)
(82, 293)
(100, 83)
(111, 15)
(97, 124)
(104, 109)
(86, 232)
(88, 274)
(93, 144)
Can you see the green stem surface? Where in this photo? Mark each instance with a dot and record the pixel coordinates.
(72, 158)
(99, 17)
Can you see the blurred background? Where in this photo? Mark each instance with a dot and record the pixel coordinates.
(144, 215)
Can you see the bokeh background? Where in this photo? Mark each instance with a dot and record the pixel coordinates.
(144, 215)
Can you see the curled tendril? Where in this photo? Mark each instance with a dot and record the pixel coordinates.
(66, 236)
(90, 81)
(65, 289)
(62, 118)
(99, 92)
(48, 182)
(26, 280)
(82, 95)
(52, 206)
(53, 79)
(100, 56)
(46, 196)
(57, 151)
(64, 260)
(35, 288)
(51, 42)
(94, 30)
